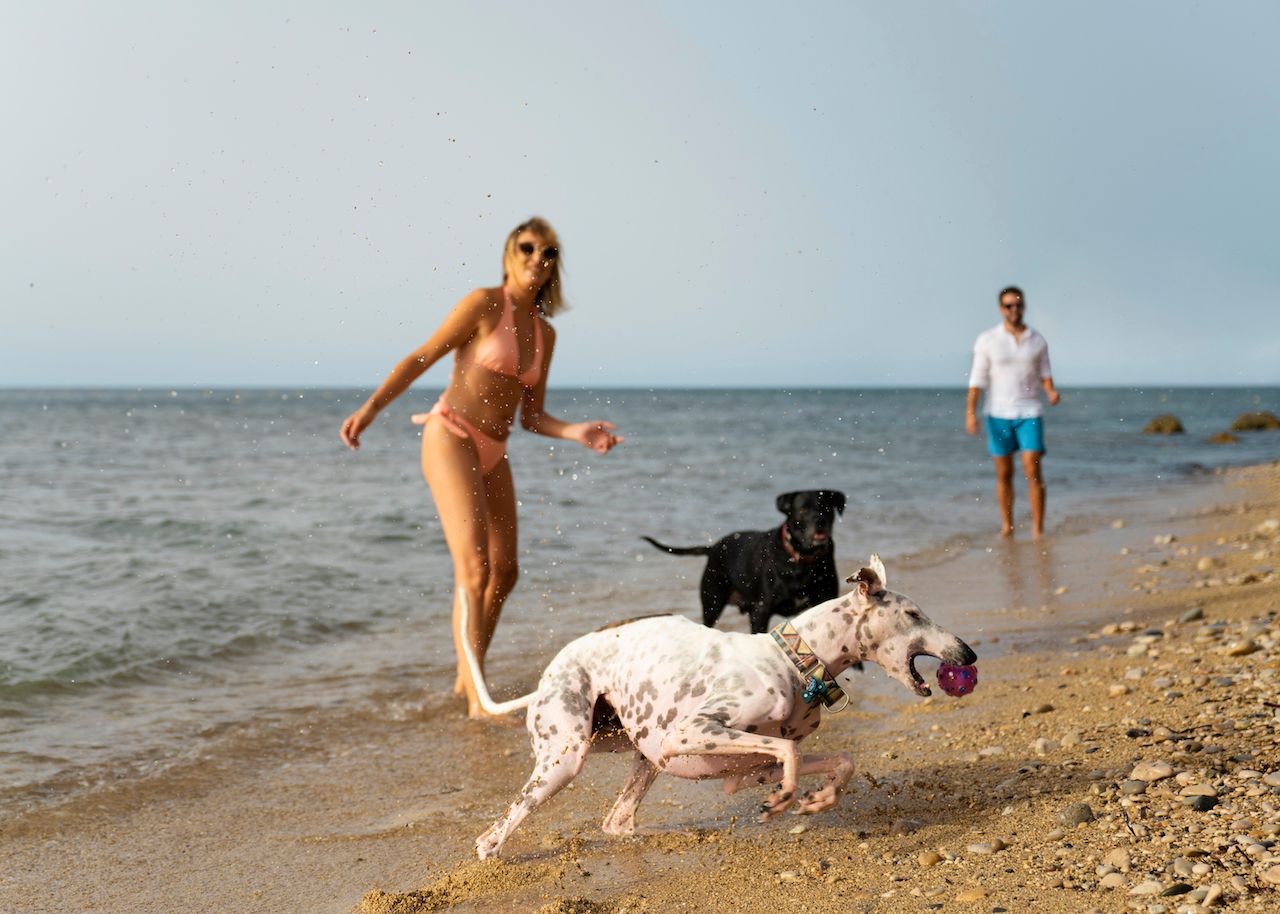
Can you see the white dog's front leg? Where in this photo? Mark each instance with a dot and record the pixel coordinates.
(839, 767)
(704, 735)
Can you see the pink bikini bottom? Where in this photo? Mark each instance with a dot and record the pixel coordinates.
(490, 451)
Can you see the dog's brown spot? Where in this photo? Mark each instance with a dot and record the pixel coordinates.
(605, 628)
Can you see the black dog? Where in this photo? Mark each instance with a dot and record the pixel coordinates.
(763, 572)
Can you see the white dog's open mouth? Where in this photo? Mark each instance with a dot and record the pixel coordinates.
(917, 681)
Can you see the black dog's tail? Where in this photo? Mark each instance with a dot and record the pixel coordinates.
(678, 550)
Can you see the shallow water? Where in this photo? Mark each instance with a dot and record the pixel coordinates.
(181, 568)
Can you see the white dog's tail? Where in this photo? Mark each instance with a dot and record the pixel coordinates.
(482, 689)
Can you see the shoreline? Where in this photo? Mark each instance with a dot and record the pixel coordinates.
(334, 811)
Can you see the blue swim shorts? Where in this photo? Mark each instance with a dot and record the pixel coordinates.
(1004, 436)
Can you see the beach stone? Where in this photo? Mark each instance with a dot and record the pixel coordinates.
(1260, 421)
(1241, 648)
(1210, 562)
(1044, 746)
(1178, 888)
(1149, 887)
(1191, 615)
(929, 858)
(1212, 896)
(974, 894)
(1271, 875)
(1118, 690)
(1165, 425)
(1200, 803)
(983, 848)
(1113, 881)
(1151, 771)
(1223, 438)
(1271, 779)
(1119, 858)
(1199, 790)
(1183, 867)
(1076, 814)
(1133, 787)
(1269, 527)
(1055, 834)
(902, 827)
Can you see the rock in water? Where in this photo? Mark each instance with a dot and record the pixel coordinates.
(1165, 425)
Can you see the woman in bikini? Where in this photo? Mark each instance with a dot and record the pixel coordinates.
(502, 345)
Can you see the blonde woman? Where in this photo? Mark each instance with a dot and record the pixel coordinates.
(502, 344)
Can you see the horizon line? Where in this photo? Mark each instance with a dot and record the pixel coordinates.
(190, 387)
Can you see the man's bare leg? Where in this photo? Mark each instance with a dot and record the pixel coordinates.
(1035, 491)
(1004, 492)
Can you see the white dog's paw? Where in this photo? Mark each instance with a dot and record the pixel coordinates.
(488, 845)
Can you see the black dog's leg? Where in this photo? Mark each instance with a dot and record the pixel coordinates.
(715, 594)
(760, 616)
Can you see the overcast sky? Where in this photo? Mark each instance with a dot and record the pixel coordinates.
(816, 194)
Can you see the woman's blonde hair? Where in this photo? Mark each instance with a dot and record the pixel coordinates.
(549, 299)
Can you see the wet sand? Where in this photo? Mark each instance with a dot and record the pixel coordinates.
(957, 805)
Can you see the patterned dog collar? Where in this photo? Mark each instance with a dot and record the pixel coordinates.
(819, 684)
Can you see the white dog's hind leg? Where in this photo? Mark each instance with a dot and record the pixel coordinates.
(621, 820)
(557, 765)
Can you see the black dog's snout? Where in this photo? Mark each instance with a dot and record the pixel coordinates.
(963, 657)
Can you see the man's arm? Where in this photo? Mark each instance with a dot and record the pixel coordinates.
(1046, 378)
(1050, 391)
(971, 411)
(979, 378)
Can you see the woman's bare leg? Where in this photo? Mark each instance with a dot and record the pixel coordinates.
(503, 553)
(452, 470)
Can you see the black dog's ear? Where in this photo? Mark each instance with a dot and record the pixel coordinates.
(785, 502)
(838, 498)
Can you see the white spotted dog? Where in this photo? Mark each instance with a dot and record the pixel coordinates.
(696, 702)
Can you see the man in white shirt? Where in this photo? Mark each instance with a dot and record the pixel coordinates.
(1011, 362)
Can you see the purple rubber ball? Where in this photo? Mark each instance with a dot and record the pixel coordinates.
(957, 680)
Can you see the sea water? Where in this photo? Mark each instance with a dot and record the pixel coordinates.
(176, 565)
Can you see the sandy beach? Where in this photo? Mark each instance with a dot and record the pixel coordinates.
(1120, 753)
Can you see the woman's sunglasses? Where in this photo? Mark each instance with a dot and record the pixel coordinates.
(528, 247)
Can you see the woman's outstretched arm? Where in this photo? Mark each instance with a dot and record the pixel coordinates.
(456, 329)
(598, 436)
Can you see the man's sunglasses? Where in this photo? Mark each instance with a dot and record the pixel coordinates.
(528, 247)
(1007, 305)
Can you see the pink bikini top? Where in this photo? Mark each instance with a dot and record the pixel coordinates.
(500, 350)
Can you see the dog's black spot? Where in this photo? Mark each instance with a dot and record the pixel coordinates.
(752, 728)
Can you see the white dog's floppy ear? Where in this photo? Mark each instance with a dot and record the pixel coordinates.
(878, 567)
(869, 581)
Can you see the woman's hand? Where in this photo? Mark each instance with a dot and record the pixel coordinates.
(354, 424)
(598, 436)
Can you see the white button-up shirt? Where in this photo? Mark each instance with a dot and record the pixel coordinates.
(1010, 369)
